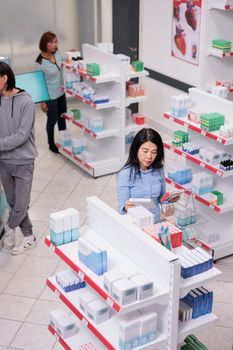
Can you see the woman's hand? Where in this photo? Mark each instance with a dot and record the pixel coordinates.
(44, 107)
(174, 199)
(128, 204)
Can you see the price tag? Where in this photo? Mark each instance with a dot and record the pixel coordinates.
(220, 173)
(88, 77)
(110, 301)
(56, 336)
(84, 321)
(203, 132)
(183, 155)
(202, 164)
(211, 206)
(81, 275)
(219, 139)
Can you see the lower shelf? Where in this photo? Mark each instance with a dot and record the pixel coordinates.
(80, 341)
(107, 332)
(96, 168)
(186, 328)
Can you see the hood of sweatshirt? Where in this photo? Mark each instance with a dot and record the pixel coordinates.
(17, 137)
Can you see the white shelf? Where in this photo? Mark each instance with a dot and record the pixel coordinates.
(92, 168)
(97, 106)
(188, 327)
(134, 128)
(195, 127)
(69, 254)
(129, 100)
(106, 332)
(134, 74)
(82, 339)
(97, 135)
(219, 53)
(102, 78)
(186, 284)
(223, 208)
(195, 159)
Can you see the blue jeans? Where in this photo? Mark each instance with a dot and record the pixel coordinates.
(55, 109)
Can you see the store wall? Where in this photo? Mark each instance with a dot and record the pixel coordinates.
(155, 51)
(23, 21)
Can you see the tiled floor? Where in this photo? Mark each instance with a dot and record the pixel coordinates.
(25, 302)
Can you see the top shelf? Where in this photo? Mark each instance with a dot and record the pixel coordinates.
(195, 127)
(219, 53)
(222, 7)
(104, 78)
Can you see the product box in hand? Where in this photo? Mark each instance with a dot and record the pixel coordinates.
(171, 195)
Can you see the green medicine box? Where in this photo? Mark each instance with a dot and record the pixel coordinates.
(219, 197)
(76, 114)
(138, 66)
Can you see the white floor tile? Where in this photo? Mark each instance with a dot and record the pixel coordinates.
(8, 329)
(38, 266)
(33, 337)
(39, 313)
(215, 338)
(9, 263)
(14, 307)
(25, 285)
(5, 278)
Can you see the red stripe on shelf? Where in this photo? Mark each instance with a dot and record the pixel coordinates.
(200, 199)
(81, 317)
(61, 341)
(86, 278)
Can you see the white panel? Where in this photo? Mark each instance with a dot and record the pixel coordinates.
(155, 42)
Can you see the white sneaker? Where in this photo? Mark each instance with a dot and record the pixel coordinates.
(26, 244)
(9, 238)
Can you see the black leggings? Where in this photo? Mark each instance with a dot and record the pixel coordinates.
(55, 109)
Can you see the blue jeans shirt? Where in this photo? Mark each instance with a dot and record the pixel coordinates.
(151, 184)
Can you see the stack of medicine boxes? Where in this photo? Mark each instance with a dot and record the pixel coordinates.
(211, 121)
(136, 329)
(95, 308)
(64, 226)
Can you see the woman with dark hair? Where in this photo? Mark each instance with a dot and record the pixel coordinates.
(49, 61)
(17, 155)
(143, 174)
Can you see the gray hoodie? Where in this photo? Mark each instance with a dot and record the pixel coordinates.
(17, 136)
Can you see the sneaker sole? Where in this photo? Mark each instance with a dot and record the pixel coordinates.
(13, 252)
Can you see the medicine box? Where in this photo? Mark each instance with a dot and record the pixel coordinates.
(148, 331)
(144, 286)
(66, 326)
(129, 333)
(124, 291)
(110, 277)
(98, 311)
(86, 298)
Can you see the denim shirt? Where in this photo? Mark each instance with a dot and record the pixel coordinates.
(151, 184)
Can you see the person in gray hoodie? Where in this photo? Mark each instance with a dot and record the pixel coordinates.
(17, 155)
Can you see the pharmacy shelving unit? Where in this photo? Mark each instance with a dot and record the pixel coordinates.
(127, 245)
(220, 218)
(217, 65)
(108, 146)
